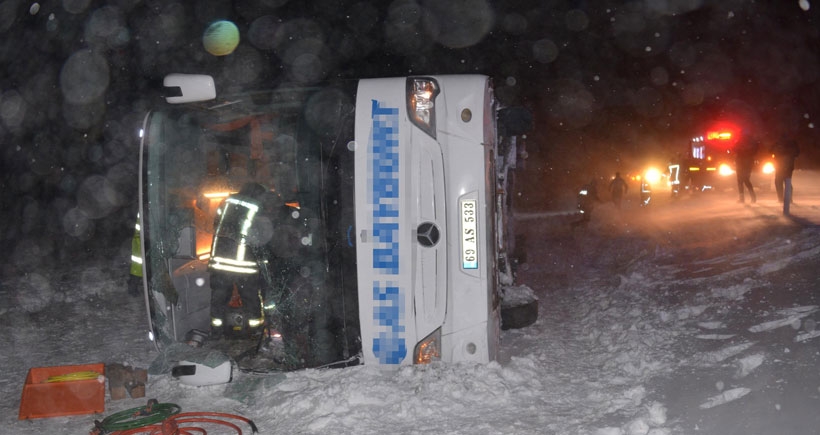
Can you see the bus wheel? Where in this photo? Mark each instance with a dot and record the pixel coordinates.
(519, 308)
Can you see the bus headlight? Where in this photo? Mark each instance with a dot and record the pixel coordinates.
(421, 103)
(216, 322)
(428, 350)
(255, 323)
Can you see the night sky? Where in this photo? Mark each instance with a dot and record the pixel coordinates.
(611, 84)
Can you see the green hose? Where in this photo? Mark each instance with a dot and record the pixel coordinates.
(137, 417)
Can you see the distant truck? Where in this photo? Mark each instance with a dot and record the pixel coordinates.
(362, 221)
(710, 163)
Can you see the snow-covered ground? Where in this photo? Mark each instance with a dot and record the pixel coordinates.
(697, 316)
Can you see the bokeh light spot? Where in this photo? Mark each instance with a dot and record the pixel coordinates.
(12, 109)
(460, 23)
(221, 38)
(84, 77)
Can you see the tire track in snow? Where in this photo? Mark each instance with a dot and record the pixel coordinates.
(794, 316)
(807, 336)
(720, 355)
(725, 397)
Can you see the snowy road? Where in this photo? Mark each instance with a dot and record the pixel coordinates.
(707, 308)
(697, 316)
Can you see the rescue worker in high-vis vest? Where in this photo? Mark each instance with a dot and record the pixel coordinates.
(243, 267)
(587, 197)
(646, 191)
(259, 287)
(135, 277)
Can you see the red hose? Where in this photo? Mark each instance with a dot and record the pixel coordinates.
(174, 425)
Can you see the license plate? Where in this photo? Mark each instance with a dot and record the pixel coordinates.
(469, 234)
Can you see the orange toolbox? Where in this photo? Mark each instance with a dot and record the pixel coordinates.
(63, 390)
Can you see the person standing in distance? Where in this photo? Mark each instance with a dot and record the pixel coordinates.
(617, 189)
(785, 151)
(745, 152)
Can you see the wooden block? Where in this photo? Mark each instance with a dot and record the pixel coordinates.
(126, 380)
(141, 375)
(116, 375)
(135, 389)
(117, 392)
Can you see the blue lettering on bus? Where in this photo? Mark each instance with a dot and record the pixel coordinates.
(389, 343)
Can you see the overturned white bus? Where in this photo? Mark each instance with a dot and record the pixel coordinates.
(355, 222)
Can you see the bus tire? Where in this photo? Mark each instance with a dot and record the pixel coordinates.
(519, 316)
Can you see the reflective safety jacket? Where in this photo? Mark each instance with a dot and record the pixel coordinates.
(136, 252)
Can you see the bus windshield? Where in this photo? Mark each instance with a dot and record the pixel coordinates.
(259, 187)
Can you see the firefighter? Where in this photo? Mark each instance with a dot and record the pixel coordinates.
(237, 253)
(260, 289)
(587, 197)
(675, 175)
(135, 275)
(646, 191)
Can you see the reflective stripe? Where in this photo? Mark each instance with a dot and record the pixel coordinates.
(230, 265)
(246, 204)
(232, 268)
(255, 323)
(237, 264)
(232, 262)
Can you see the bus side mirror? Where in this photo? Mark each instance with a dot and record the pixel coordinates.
(188, 88)
(514, 121)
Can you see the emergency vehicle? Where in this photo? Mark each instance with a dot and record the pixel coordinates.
(387, 243)
(710, 163)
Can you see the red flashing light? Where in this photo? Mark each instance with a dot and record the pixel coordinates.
(719, 135)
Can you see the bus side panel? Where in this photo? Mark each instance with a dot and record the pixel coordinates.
(383, 242)
(471, 329)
